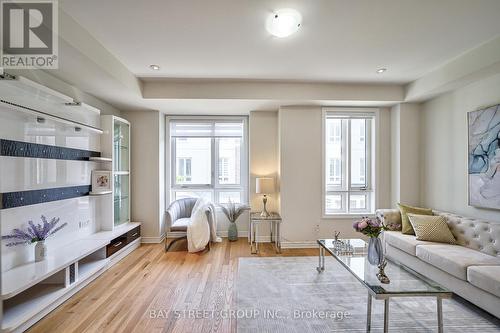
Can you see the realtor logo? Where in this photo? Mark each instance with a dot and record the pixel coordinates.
(29, 34)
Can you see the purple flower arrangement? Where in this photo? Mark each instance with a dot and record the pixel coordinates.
(371, 227)
(34, 233)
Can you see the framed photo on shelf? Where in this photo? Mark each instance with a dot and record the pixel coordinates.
(101, 181)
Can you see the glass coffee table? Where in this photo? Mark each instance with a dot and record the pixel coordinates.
(404, 282)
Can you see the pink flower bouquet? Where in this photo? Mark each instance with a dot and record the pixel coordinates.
(371, 227)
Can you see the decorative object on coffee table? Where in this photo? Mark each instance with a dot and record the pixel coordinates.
(373, 228)
(265, 186)
(35, 234)
(233, 211)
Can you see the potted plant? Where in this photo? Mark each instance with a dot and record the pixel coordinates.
(233, 211)
(35, 234)
(372, 227)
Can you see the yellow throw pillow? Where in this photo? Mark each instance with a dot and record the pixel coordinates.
(405, 210)
(431, 228)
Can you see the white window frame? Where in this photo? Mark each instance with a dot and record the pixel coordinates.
(214, 185)
(371, 141)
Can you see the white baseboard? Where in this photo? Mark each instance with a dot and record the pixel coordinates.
(299, 245)
(153, 240)
(242, 234)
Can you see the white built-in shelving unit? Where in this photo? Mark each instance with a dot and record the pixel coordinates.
(31, 290)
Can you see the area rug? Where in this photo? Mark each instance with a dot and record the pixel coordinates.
(287, 294)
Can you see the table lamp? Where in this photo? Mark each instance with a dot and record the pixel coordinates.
(264, 185)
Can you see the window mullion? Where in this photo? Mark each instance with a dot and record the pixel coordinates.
(215, 171)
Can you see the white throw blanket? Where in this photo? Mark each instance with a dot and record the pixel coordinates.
(198, 231)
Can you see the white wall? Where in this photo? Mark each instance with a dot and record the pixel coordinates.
(405, 154)
(263, 146)
(444, 147)
(300, 140)
(147, 180)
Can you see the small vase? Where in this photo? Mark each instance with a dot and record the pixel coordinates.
(40, 251)
(232, 232)
(375, 251)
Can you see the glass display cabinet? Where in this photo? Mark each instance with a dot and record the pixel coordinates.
(121, 170)
(116, 144)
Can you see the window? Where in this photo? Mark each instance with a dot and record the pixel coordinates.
(183, 170)
(334, 132)
(335, 171)
(348, 187)
(223, 170)
(210, 159)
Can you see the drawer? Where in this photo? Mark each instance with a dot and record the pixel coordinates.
(133, 234)
(116, 244)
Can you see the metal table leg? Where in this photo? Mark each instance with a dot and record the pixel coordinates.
(440, 314)
(386, 315)
(255, 234)
(250, 231)
(271, 230)
(321, 260)
(369, 313)
(278, 235)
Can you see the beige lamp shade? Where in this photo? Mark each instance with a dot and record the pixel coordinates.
(264, 185)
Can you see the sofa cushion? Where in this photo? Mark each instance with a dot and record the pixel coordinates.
(454, 259)
(180, 224)
(405, 210)
(485, 277)
(391, 218)
(407, 243)
(431, 228)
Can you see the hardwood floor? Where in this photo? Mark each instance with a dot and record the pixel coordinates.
(141, 292)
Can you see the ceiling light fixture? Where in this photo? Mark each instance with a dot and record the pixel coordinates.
(381, 70)
(154, 67)
(283, 22)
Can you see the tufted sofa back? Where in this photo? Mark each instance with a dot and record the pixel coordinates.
(476, 234)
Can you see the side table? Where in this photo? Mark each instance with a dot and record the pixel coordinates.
(275, 228)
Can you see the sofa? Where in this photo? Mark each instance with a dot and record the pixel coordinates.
(470, 269)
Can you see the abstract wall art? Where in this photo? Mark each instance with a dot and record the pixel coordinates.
(484, 157)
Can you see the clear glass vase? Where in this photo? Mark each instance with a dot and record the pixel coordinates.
(375, 251)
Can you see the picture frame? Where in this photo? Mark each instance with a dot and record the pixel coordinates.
(101, 181)
(483, 127)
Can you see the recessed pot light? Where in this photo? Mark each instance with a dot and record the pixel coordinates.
(381, 70)
(154, 67)
(283, 22)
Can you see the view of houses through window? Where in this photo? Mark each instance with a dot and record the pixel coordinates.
(210, 159)
(347, 152)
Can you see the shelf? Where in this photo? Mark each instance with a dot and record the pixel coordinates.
(18, 279)
(30, 96)
(96, 194)
(117, 231)
(88, 268)
(121, 173)
(100, 159)
(120, 198)
(25, 306)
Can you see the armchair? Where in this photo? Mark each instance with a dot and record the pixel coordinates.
(178, 215)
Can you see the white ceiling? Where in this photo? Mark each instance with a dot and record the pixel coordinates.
(340, 40)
